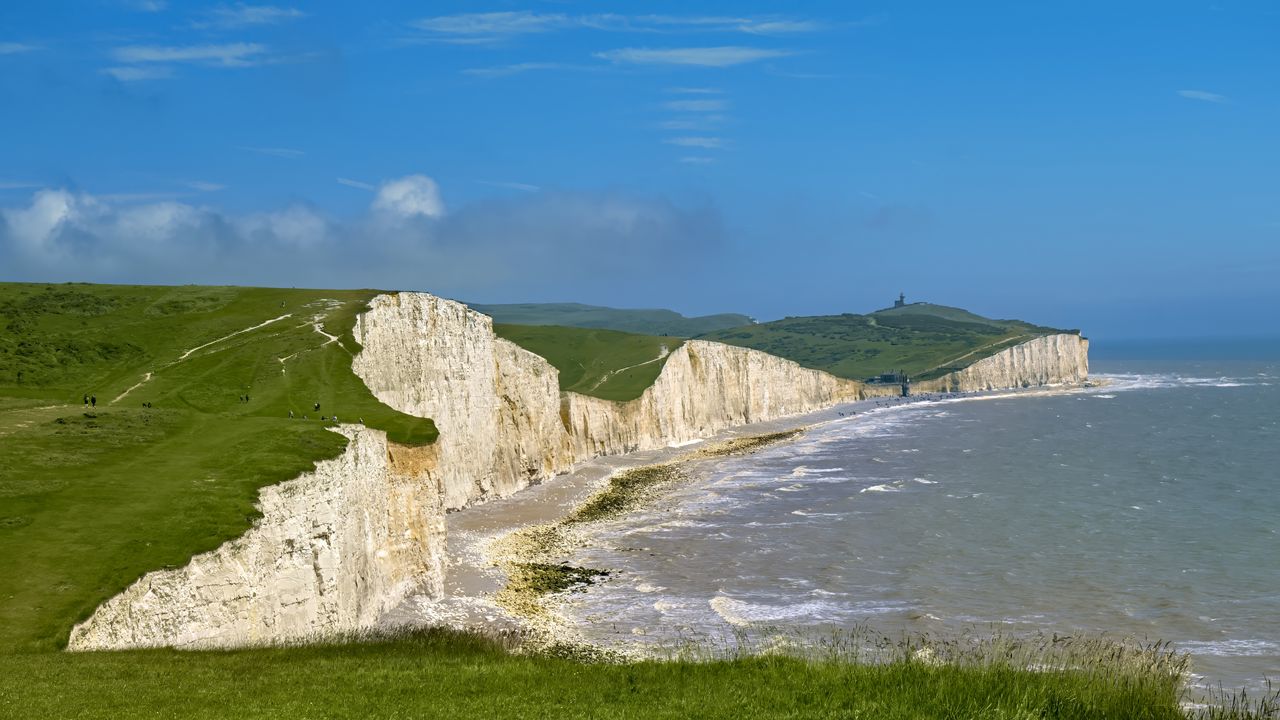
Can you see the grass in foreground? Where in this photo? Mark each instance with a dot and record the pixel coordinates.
(601, 363)
(92, 498)
(445, 674)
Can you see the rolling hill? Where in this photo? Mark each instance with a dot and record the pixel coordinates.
(642, 322)
(921, 339)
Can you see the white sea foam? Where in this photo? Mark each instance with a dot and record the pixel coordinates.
(881, 488)
(740, 613)
(923, 481)
(1232, 648)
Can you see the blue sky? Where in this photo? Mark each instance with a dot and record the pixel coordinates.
(1109, 166)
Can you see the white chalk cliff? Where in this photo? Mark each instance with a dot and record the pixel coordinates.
(335, 549)
(338, 547)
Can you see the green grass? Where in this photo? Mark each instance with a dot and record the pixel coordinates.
(439, 674)
(641, 322)
(91, 499)
(924, 340)
(602, 363)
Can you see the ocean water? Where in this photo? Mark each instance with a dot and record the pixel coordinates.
(1149, 507)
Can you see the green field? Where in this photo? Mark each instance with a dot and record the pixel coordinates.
(602, 363)
(921, 339)
(642, 322)
(92, 498)
(437, 674)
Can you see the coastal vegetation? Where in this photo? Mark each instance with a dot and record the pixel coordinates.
(640, 322)
(921, 339)
(446, 674)
(193, 389)
(606, 364)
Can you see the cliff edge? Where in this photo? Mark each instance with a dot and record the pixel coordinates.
(337, 547)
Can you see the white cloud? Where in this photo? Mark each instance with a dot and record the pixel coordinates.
(355, 184)
(13, 48)
(280, 152)
(297, 226)
(151, 6)
(524, 187)
(726, 56)
(410, 196)
(695, 91)
(225, 55)
(127, 73)
(32, 227)
(242, 15)
(780, 27)
(204, 186)
(495, 26)
(494, 23)
(701, 106)
(696, 141)
(514, 246)
(516, 69)
(1203, 96)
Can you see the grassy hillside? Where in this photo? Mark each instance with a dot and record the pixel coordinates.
(921, 339)
(92, 498)
(642, 322)
(602, 363)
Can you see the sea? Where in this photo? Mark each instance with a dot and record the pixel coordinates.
(1147, 507)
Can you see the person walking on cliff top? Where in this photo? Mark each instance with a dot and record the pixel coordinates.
(93, 400)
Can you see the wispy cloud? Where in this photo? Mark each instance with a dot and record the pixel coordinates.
(695, 91)
(725, 56)
(227, 17)
(204, 186)
(1203, 96)
(15, 48)
(279, 152)
(701, 106)
(711, 143)
(494, 23)
(518, 68)
(151, 6)
(141, 197)
(497, 26)
(701, 122)
(135, 73)
(780, 27)
(356, 184)
(524, 187)
(225, 55)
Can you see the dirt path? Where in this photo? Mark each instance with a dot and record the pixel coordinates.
(605, 378)
(145, 379)
(187, 354)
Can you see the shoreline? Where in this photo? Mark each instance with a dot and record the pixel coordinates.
(483, 552)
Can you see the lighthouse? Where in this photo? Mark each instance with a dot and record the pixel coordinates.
(901, 301)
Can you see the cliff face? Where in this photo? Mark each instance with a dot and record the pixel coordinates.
(497, 406)
(335, 548)
(704, 388)
(1049, 360)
